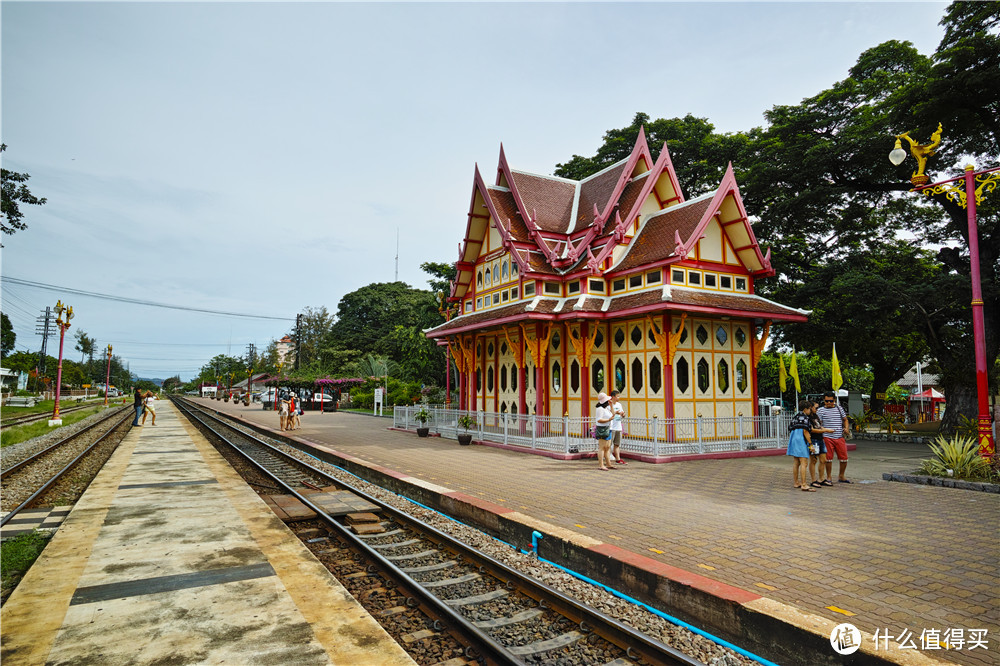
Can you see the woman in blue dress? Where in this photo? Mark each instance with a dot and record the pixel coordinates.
(798, 446)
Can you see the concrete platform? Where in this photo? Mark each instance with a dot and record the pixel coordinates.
(728, 542)
(169, 557)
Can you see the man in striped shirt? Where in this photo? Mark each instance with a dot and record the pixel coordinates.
(834, 417)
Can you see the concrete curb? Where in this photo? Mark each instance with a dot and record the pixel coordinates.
(904, 477)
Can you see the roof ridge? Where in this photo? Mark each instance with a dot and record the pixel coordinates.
(607, 168)
(568, 181)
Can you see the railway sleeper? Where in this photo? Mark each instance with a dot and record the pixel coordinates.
(396, 544)
(538, 647)
(430, 567)
(498, 622)
(411, 556)
(477, 599)
(467, 578)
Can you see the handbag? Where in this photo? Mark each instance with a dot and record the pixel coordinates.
(602, 431)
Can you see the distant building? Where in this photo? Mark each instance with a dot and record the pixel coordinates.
(568, 288)
(286, 351)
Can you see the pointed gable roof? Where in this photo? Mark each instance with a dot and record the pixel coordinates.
(553, 225)
(672, 233)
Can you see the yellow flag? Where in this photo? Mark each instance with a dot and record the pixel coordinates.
(782, 381)
(793, 372)
(838, 379)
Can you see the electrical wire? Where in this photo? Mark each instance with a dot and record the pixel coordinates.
(136, 301)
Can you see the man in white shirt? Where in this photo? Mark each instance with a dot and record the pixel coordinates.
(834, 417)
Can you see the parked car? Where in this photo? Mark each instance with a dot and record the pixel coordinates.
(326, 398)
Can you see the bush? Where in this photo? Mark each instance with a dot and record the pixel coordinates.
(467, 422)
(958, 454)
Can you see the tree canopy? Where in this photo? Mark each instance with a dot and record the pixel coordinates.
(15, 192)
(7, 335)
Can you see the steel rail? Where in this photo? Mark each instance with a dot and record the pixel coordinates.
(65, 469)
(588, 618)
(16, 466)
(496, 653)
(28, 418)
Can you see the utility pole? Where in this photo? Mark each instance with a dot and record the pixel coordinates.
(298, 339)
(396, 279)
(251, 361)
(43, 328)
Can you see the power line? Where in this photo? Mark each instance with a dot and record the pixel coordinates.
(136, 301)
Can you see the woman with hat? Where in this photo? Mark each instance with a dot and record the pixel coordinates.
(602, 431)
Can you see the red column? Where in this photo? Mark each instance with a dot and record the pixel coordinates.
(986, 444)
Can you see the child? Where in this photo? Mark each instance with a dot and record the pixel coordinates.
(798, 446)
(818, 446)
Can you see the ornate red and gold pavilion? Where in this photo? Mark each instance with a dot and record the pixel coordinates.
(567, 288)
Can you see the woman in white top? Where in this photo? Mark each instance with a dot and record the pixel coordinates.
(616, 428)
(150, 409)
(602, 419)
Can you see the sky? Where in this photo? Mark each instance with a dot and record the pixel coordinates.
(258, 159)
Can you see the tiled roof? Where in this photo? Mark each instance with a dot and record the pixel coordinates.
(681, 299)
(550, 199)
(596, 190)
(503, 202)
(655, 240)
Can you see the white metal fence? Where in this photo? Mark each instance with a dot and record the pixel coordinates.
(655, 436)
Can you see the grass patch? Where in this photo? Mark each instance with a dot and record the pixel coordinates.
(16, 557)
(30, 431)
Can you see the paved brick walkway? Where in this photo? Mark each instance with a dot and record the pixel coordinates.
(899, 557)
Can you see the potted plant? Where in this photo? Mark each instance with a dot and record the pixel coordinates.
(466, 422)
(421, 417)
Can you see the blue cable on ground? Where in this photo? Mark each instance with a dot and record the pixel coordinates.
(536, 535)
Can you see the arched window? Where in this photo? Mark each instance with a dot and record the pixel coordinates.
(513, 270)
(513, 378)
(487, 277)
(741, 374)
(574, 377)
(479, 280)
(503, 271)
(503, 377)
(489, 380)
(637, 375)
(479, 380)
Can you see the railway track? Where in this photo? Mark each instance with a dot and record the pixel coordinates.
(440, 598)
(61, 472)
(25, 419)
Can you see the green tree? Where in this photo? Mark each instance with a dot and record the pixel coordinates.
(219, 369)
(15, 192)
(7, 335)
(314, 327)
(84, 344)
(698, 153)
(441, 274)
(831, 204)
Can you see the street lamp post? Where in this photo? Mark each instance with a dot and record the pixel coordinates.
(107, 378)
(966, 197)
(63, 325)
